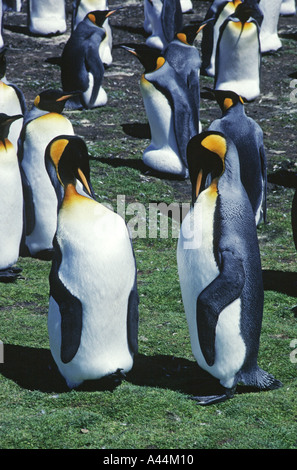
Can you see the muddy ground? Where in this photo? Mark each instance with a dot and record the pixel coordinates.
(27, 67)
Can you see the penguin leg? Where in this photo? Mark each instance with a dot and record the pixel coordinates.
(213, 399)
(10, 274)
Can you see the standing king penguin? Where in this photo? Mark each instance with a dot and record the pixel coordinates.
(247, 135)
(220, 269)
(93, 306)
(238, 54)
(43, 122)
(11, 203)
(171, 112)
(80, 8)
(164, 19)
(47, 17)
(12, 101)
(81, 66)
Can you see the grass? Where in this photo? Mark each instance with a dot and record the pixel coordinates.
(151, 409)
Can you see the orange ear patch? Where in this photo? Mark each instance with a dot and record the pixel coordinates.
(216, 144)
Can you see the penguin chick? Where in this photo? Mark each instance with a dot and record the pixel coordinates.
(238, 56)
(93, 306)
(220, 269)
(47, 17)
(12, 101)
(81, 66)
(171, 111)
(43, 122)
(80, 8)
(11, 203)
(247, 135)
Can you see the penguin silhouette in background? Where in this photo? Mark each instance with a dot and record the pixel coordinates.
(288, 8)
(81, 66)
(247, 135)
(43, 122)
(220, 271)
(47, 17)
(12, 101)
(80, 8)
(1, 26)
(217, 13)
(93, 306)
(51, 165)
(171, 112)
(11, 203)
(238, 55)
(269, 38)
(165, 19)
(186, 6)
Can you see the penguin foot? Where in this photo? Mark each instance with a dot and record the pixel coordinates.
(10, 274)
(213, 399)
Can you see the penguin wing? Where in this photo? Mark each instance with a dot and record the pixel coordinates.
(220, 293)
(264, 179)
(94, 64)
(171, 19)
(70, 309)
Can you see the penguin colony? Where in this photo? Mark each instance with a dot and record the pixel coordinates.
(49, 210)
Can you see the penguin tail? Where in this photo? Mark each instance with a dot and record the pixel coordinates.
(260, 379)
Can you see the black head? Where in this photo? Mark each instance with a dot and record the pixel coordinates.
(97, 17)
(148, 56)
(53, 100)
(5, 123)
(226, 99)
(69, 155)
(206, 160)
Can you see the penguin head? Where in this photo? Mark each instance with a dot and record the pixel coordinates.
(150, 57)
(5, 122)
(52, 100)
(227, 99)
(206, 160)
(97, 17)
(69, 156)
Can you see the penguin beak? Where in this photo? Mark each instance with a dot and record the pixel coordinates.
(111, 12)
(66, 97)
(198, 182)
(84, 181)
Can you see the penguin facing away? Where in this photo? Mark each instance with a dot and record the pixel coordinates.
(11, 203)
(80, 8)
(43, 122)
(171, 112)
(238, 55)
(220, 269)
(47, 17)
(247, 135)
(12, 101)
(93, 306)
(81, 66)
(165, 20)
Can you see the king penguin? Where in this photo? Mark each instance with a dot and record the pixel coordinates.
(238, 55)
(11, 203)
(43, 122)
(12, 101)
(269, 38)
(47, 17)
(166, 19)
(93, 305)
(219, 269)
(184, 57)
(80, 8)
(247, 135)
(171, 112)
(81, 65)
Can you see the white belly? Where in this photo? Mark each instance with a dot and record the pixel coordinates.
(197, 269)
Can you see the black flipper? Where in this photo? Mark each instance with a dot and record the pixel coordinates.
(220, 293)
(133, 314)
(70, 310)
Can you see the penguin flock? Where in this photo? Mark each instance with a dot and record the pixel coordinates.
(49, 211)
